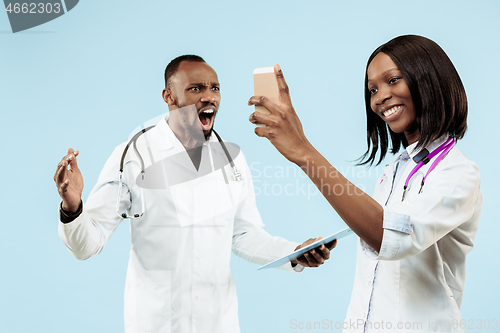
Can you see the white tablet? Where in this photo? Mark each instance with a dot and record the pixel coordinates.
(294, 255)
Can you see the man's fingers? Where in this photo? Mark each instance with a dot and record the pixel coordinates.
(309, 259)
(332, 244)
(310, 241)
(62, 166)
(74, 164)
(71, 159)
(60, 172)
(324, 252)
(303, 261)
(312, 261)
(284, 93)
(64, 187)
(317, 256)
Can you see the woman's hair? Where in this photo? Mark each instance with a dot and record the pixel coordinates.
(436, 90)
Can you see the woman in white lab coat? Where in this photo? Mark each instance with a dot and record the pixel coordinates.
(416, 230)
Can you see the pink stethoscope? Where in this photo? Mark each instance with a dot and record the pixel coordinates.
(424, 157)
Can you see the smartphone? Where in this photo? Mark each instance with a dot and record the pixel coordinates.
(264, 84)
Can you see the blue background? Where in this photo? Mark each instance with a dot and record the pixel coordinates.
(88, 78)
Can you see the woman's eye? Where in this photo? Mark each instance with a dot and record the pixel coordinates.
(394, 80)
(372, 91)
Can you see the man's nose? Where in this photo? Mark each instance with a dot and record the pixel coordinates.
(209, 96)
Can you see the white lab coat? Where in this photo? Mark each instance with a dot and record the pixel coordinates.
(178, 277)
(416, 282)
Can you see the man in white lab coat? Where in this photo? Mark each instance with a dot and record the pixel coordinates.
(193, 208)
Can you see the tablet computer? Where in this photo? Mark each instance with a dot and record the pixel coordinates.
(294, 255)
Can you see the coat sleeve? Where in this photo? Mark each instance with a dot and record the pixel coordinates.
(250, 241)
(451, 200)
(86, 236)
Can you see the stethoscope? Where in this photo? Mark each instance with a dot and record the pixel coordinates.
(424, 157)
(133, 142)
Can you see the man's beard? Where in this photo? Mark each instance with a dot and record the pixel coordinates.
(208, 133)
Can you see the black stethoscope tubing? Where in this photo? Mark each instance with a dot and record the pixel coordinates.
(133, 141)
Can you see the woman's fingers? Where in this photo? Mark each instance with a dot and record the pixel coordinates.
(284, 93)
(260, 118)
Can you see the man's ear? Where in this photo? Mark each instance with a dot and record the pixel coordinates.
(168, 96)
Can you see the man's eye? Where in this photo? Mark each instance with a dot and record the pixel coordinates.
(215, 88)
(194, 89)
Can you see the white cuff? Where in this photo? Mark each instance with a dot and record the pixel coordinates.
(298, 268)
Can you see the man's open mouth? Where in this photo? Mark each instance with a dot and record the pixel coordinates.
(206, 119)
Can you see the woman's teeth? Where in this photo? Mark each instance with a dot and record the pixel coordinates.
(392, 110)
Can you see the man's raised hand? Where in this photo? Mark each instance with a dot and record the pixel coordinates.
(69, 181)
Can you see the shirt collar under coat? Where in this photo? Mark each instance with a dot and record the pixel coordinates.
(167, 144)
(389, 169)
(167, 140)
(430, 147)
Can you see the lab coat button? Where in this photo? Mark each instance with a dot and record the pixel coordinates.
(196, 298)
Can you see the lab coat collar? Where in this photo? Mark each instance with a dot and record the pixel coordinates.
(165, 137)
(168, 143)
(168, 140)
(389, 169)
(430, 147)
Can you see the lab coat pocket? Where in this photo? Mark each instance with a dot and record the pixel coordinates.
(147, 301)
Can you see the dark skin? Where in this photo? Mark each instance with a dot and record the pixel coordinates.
(284, 130)
(69, 181)
(316, 256)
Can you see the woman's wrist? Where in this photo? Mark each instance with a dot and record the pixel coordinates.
(304, 157)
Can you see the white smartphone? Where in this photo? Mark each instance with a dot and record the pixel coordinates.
(264, 84)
